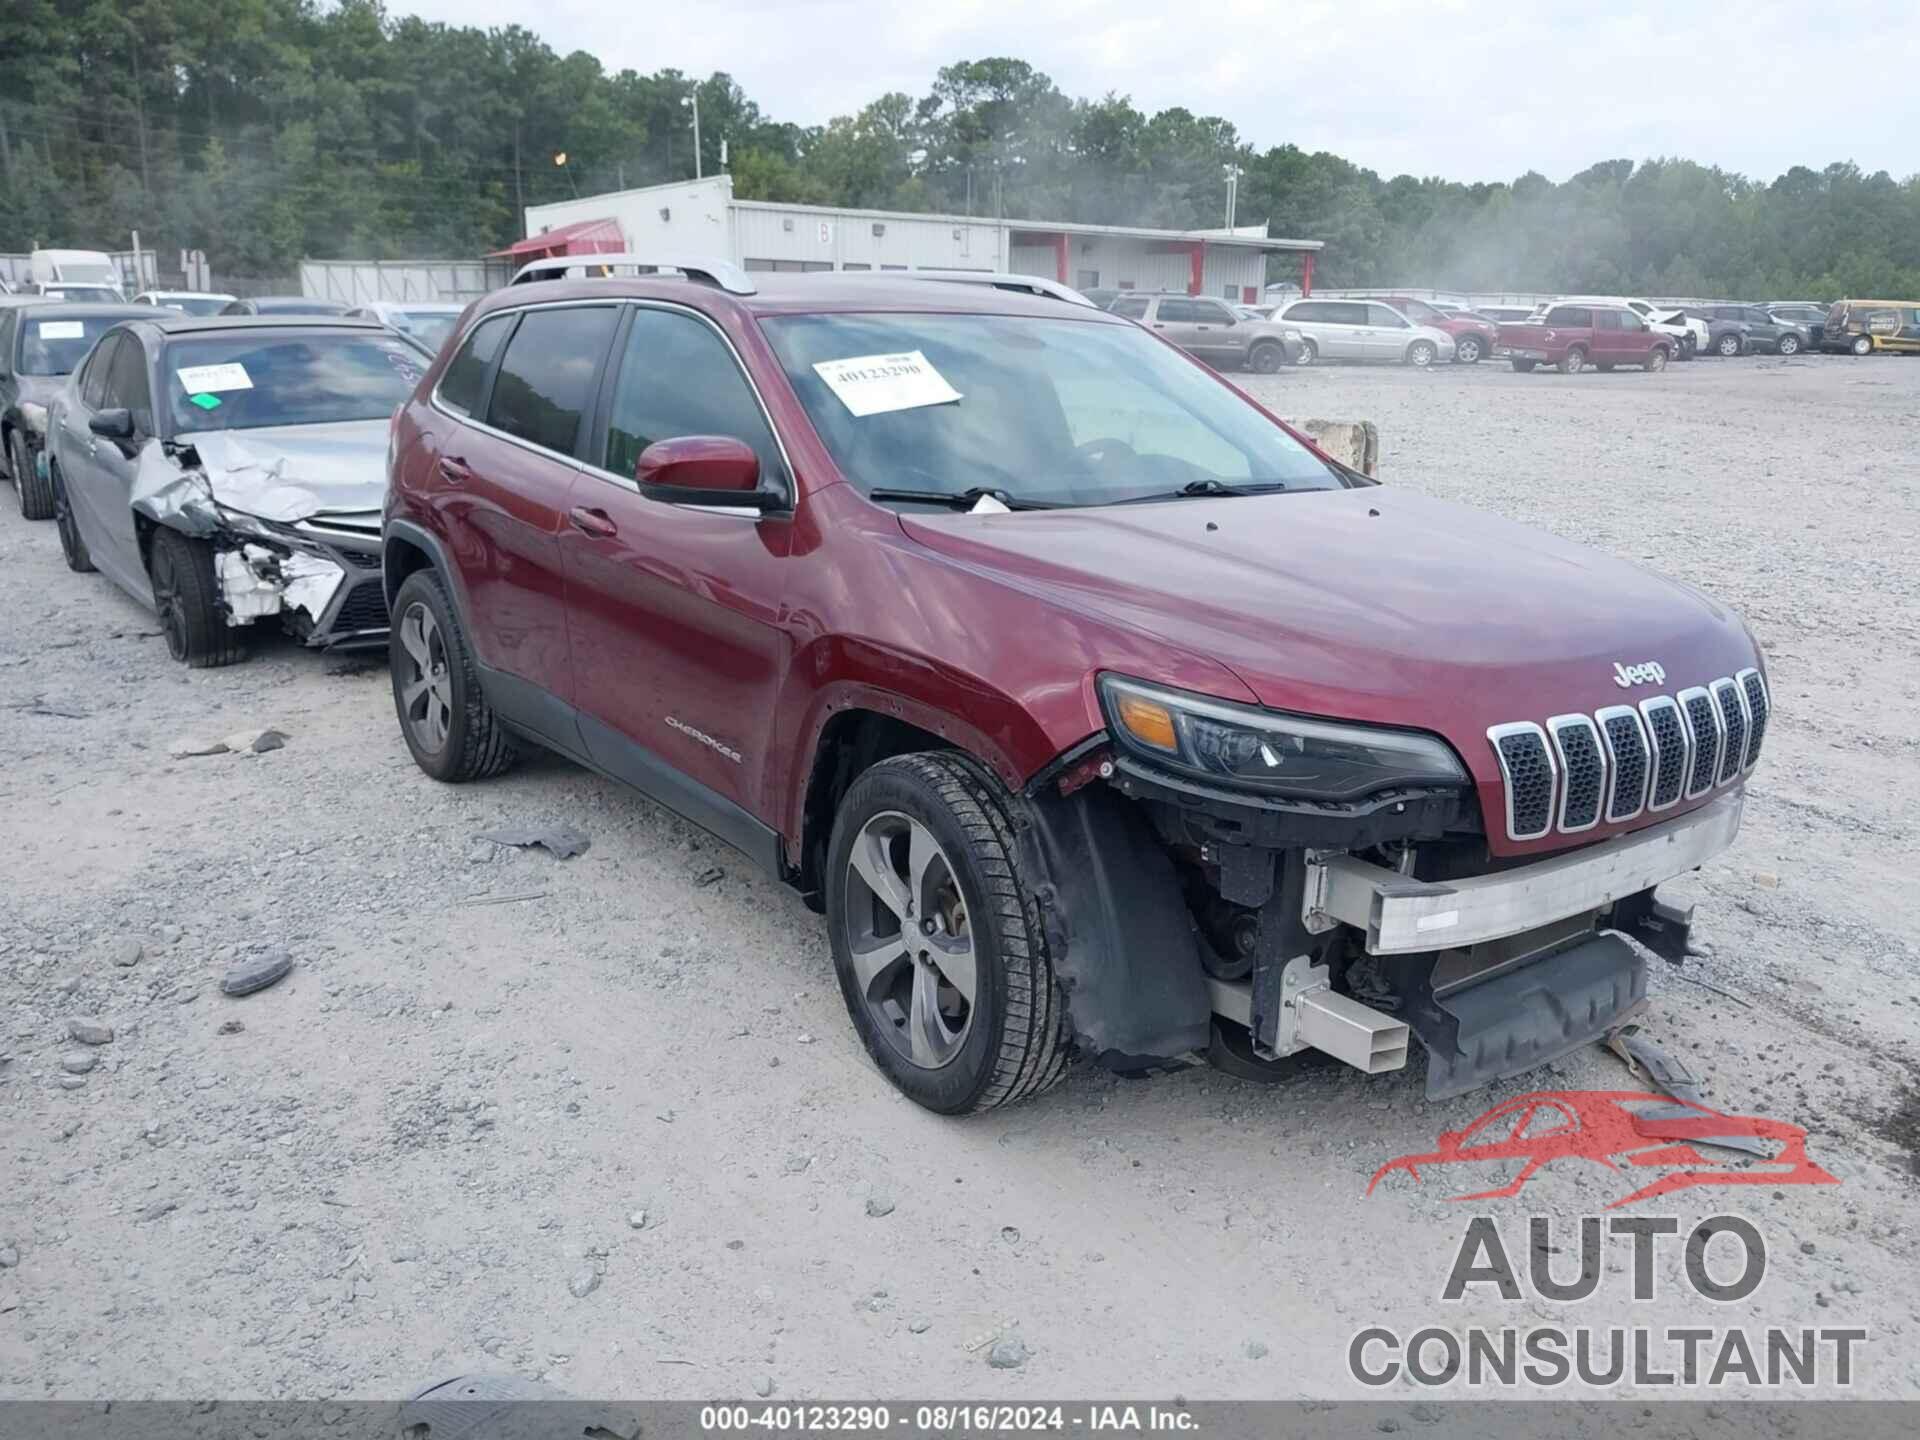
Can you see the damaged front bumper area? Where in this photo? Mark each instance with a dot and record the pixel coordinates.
(320, 576)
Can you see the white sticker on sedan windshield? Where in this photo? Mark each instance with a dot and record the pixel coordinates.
(875, 384)
(212, 379)
(62, 330)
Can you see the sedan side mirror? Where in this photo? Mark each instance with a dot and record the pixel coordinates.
(112, 424)
(714, 470)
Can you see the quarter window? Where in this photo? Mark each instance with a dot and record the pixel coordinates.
(547, 376)
(678, 378)
(463, 387)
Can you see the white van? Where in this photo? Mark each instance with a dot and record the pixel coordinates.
(83, 270)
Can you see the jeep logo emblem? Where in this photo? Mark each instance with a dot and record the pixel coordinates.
(1648, 673)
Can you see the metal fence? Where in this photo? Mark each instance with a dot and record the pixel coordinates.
(358, 281)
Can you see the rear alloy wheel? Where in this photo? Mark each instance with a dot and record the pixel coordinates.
(30, 488)
(1729, 345)
(1420, 354)
(1309, 353)
(1657, 358)
(1862, 345)
(71, 544)
(1789, 345)
(1266, 357)
(185, 595)
(444, 715)
(936, 941)
(1573, 362)
(1467, 350)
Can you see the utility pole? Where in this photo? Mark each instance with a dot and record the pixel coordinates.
(695, 98)
(1233, 193)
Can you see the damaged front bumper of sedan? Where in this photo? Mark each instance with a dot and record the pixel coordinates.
(278, 550)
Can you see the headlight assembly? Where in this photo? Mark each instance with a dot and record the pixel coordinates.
(1246, 748)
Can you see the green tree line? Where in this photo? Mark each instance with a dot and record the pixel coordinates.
(265, 131)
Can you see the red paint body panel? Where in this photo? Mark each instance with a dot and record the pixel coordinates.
(1621, 347)
(1370, 605)
(1454, 325)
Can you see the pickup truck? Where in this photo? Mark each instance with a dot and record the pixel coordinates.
(1100, 712)
(1572, 337)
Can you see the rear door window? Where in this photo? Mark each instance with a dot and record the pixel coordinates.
(1133, 307)
(1384, 317)
(548, 374)
(1606, 319)
(1176, 312)
(463, 386)
(1346, 312)
(678, 377)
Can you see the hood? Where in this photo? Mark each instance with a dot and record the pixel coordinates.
(1372, 604)
(286, 473)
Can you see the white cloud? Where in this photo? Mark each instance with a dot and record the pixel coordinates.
(1461, 89)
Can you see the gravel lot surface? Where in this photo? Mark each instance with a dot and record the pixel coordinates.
(605, 1120)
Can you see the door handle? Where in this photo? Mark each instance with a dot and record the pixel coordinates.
(593, 522)
(454, 470)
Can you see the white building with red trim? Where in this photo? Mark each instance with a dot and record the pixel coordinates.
(702, 217)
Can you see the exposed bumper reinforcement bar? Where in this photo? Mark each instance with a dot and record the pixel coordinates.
(1400, 915)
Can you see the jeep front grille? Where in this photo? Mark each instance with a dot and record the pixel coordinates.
(1578, 770)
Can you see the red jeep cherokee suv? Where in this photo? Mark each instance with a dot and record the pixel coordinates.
(1098, 710)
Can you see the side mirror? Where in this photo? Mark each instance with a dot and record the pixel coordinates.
(112, 424)
(713, 470)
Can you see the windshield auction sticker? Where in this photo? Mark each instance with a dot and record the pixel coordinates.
(876, 384)
(62, 330)
(212, 379)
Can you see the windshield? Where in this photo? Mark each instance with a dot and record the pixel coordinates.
(196, 304)
(1053, 411)
(431, 327)
(92, 293)
(54, 346)
(81, 272)
(243, 382)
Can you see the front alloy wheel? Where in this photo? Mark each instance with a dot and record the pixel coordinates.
(1467, 351)
(1789, 345)
(426, 691)
(1729, 345)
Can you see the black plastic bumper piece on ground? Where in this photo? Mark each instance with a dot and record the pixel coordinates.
(1526, 1017)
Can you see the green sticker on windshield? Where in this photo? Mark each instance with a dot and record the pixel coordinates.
(205, 402)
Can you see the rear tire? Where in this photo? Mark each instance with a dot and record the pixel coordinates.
(948, 813)
(34, 494)
(1420, 354)
(1573, 362)
(1309, 353)
(1862, 345)
(186, 595)
(1266, 357)
(1468, 350)
(71, 544)
(444, 716)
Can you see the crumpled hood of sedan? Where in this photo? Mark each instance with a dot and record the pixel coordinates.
(280, 474)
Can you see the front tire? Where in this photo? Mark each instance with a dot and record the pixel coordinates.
(34, 493)
(1862, 345)
(1728, 346)
(444, 716)
(1265, 358)
(937, 942)
(186, 597)
(1467, 350)
(1657, 358)
(72, 545)
(1420, 354)
(1789, 345)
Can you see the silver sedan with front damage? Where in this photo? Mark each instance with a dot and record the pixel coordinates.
(230, 472)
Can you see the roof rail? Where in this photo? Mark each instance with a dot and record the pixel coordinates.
(722, 274)
(999, 280)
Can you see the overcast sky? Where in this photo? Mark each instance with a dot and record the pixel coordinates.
(1432, 87)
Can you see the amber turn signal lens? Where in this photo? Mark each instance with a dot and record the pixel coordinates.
(1148, 721)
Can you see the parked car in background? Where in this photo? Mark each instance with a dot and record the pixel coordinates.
(1763, 331)
(284, 305)
(1687, 333)
(88, 271)
(187, 302)
(1209, 330)
(229, 472)
(425, 322)
(1805, 314)
(1860, 327)
(1572, 337)
(1364, 330)
(1473, 337)
(41, 341)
